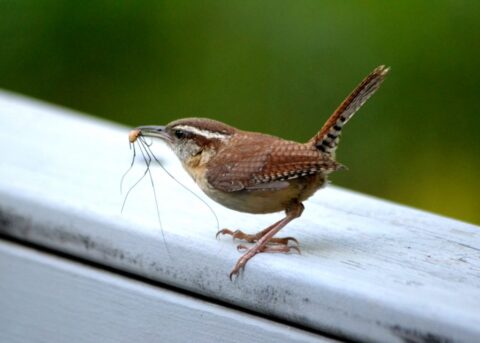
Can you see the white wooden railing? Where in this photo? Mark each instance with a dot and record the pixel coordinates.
(73, 268)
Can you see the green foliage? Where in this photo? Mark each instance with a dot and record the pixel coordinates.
(275, 66)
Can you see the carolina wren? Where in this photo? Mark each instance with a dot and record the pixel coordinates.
(258, 173)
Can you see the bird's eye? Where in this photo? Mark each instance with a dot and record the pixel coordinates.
(179, 134)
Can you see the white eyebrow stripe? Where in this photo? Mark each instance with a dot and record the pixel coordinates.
(205, 133)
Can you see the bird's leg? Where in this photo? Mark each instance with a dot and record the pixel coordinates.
(293, 211)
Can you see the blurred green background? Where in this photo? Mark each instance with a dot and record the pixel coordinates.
(279, 67)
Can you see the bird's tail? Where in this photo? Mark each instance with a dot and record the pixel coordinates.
(328, 137)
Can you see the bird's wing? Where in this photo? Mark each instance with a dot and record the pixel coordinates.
(249, 163)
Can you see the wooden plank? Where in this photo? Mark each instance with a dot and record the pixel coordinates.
(369, 269)
(45, 298)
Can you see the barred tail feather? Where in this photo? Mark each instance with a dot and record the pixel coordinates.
(328, 137)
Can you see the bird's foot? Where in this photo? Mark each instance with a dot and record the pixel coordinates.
(281, 248)
(237, 234)
(256, 249)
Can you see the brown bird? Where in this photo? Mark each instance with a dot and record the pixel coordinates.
(259, 173)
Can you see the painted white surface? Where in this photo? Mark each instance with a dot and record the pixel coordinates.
(369, 269)
(44, 298)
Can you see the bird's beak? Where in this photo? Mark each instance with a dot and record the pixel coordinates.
(149, 131)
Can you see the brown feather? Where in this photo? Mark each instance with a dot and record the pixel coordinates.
(248, 162)
(328, 137)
